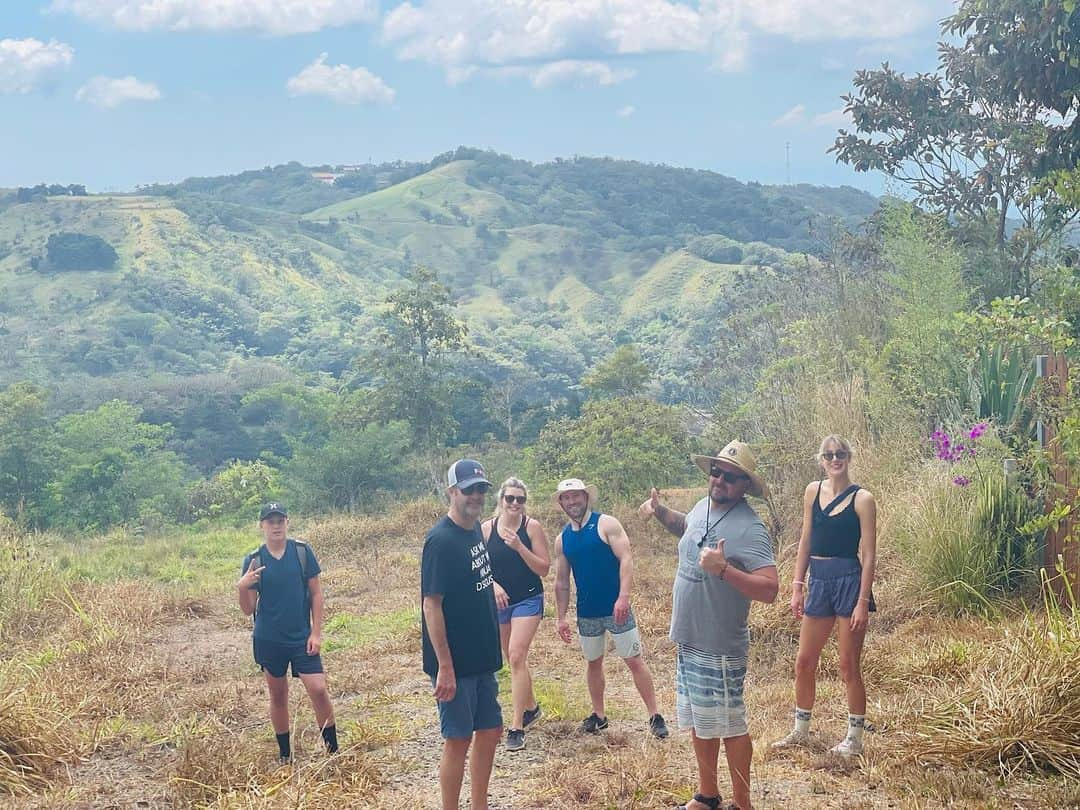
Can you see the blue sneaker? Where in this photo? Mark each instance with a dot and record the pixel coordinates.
(531, 716)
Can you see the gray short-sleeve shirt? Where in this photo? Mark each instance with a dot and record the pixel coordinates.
(707, 613)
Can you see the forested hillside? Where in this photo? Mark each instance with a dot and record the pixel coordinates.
(196, 303)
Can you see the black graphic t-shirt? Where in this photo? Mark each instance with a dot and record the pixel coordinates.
(455, 565)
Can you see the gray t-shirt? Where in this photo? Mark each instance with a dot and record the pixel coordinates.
(706, 612)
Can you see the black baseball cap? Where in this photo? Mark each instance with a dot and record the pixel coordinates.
(272, 508)
(466, 472)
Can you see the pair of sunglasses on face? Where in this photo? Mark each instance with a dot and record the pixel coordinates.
(515, 499)
(839, 455)
(727, 475)
(474, 488)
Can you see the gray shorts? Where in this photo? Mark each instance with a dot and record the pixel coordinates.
(593, 633)
(709, 693)
(833, 588)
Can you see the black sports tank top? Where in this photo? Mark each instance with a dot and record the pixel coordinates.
(835, 535)
(516, 578)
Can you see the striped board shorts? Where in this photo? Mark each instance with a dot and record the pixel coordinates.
(709, 693)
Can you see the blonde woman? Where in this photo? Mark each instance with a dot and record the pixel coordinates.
(518, 549)
(837, 549)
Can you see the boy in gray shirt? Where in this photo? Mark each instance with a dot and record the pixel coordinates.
(725, 561)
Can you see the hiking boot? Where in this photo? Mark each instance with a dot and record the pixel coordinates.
(515, 739)
(531, 716)
(593, 723)
(793, 740)
(657, 726)
(848, 747)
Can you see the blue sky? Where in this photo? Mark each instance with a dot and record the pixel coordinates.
(115, 93)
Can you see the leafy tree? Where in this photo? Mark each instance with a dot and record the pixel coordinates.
(113, 469)
(625, 445)
(26, 450)
(621, 374)
(79, 251)
(969, 147)
(235, 492)
(408, 359)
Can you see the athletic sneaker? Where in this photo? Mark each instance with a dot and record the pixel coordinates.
(531, 716)
(593, 723)
(792, 740)
(657, 726)
(515, 739)
(848, 747)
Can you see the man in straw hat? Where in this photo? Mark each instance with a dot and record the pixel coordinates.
(725, 561)
(596, 549)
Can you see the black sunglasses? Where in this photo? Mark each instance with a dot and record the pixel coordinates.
(472, 489)
(727, 475)
(515, 498)
(839, 455)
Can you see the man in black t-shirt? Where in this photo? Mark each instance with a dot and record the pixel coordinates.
(461, 636)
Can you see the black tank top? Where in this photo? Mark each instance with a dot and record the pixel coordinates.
(835, 535)
(516, 578)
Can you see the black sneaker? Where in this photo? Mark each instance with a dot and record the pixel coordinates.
(531, 716)
(657, 726)
(515, 739)
(593, 723)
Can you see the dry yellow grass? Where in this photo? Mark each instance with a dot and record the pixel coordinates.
(130, 692)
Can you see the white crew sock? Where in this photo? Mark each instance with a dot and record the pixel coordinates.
(856, 724)
(802, 720)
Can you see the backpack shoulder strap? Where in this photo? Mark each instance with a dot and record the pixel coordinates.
(302, 553)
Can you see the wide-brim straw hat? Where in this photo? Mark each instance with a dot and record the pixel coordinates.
(576, 485)
(737, 454)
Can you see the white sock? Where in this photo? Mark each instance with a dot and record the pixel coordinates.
(802, 720)
(856, 723)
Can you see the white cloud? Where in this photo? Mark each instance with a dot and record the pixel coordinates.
(29, 64)
(833, 118)
(461, 36)
(796, 115)
(627, 111)
(277, 17)
(341, 83)
(831, 64)
(106, 93)
(568, 70)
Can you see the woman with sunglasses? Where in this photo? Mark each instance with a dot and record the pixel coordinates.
(518, 549)
(839, 527)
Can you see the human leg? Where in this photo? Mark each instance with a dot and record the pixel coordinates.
(522, 631)
(483, 756)
(278, 687)
(739, 751)
(707, 754)
(594, 678)
(452, 770)
(850, 649)
(643, 681)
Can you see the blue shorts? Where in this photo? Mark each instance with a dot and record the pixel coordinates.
(531, 606)
(709, 693)
(475, 706)
(833, 587)
(276, 658)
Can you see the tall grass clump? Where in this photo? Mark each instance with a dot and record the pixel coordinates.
(26, 581)
(1019, 709)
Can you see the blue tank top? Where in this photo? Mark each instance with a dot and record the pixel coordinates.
(595, 567)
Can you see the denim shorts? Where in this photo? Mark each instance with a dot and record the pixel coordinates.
(531, 606)
(276, 658)
(833, 587)
(475, 706)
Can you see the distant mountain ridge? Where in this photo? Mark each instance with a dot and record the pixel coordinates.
(274, 273)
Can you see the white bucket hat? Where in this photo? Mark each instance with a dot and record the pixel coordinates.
(576, 485)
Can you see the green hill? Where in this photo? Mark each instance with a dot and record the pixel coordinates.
(274, 274)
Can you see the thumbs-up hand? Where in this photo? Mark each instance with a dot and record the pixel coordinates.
(650, 506)
(713, 561)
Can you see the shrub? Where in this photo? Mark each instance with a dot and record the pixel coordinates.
(79, 251)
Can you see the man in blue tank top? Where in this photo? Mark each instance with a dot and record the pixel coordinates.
(595, 548)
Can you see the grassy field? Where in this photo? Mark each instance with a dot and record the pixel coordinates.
(127, 681)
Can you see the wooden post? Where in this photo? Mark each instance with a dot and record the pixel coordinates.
(1062, 541)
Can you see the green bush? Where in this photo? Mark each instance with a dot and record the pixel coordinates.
(79, 251)
(234, 493)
